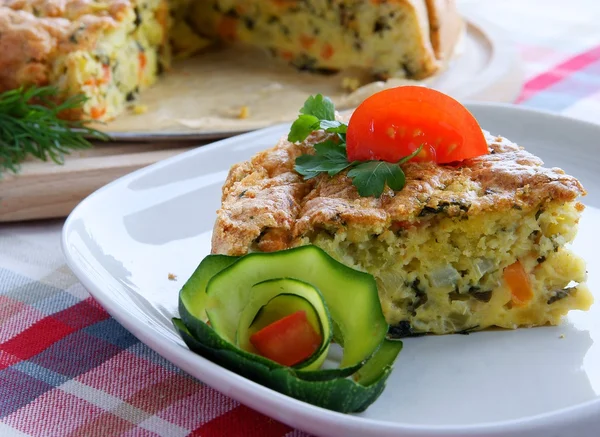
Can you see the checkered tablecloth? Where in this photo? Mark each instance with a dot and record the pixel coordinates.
(68, 369)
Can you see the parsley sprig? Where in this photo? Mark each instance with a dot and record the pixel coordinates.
(317, 113)
(369, 177)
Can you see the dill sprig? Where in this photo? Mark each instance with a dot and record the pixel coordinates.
(30, 125)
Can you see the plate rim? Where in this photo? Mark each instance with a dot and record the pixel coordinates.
(268, 401)
(504, 62)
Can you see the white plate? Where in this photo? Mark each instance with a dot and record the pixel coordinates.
(193, 102)
(125, 239)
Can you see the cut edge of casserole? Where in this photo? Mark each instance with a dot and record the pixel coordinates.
(108, 51)
(439, 248)
(409, 38)
(447, 276)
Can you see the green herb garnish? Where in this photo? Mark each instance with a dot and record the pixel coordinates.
(30, 126)
(320, 107)
(369, 177)
(329, 158)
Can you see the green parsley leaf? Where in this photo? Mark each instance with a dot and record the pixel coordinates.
(308, 166)
(318, 112)
(329, 158)
(334, 126)
(303, 127)
(320, 107)
(370, 177)
(331, 150)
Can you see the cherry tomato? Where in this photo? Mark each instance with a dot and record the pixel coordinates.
(393, 124)
(287, 341)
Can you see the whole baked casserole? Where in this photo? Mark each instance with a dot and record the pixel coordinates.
(111, 50)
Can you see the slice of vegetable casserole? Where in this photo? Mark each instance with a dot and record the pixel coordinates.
(463, 246)
(107, 50)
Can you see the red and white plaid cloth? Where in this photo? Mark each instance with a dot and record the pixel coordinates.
(559, 44)
(68, 369)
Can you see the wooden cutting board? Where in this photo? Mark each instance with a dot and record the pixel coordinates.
(44, 190)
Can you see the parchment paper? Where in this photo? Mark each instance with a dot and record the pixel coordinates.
(206, 94)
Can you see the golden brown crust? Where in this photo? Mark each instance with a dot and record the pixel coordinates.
(268, 206)
(34, 33)
(70, 9)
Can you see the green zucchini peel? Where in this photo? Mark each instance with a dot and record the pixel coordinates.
(220, 302)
